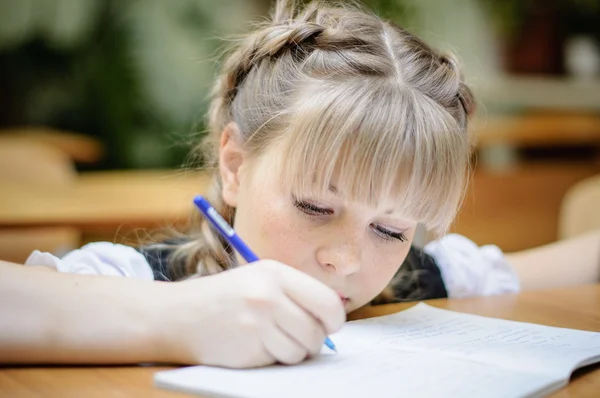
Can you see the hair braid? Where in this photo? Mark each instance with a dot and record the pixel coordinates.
(403, 89)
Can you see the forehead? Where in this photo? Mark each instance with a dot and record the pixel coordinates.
(392, 150)
(274, 169)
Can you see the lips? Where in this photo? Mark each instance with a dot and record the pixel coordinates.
(343, 298)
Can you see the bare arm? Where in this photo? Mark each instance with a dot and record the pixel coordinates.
(246, 317)
(564, 263)
(49, 317)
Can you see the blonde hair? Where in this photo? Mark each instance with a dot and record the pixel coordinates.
(340, 89)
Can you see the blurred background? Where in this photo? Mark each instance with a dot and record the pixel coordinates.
(101, 100)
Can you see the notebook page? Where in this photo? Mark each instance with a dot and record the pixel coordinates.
(516, 345)
(361, 372)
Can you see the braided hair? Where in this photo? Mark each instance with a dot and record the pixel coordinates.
(328, 46)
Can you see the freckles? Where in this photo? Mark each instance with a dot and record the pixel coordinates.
(271, 220)
(276, 227)
(385, 266)
(285, 235)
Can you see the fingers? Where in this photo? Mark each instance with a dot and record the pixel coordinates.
(315, 297)
(299, 325)
(282, 347)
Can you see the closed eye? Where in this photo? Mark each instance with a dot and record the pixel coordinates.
(312, 209)
(387, 235)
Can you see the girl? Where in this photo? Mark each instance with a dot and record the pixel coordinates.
(332, 135)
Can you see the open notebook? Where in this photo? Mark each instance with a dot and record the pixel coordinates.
(420, 352)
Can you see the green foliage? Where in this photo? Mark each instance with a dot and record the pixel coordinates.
(398, 11)
(577, 16)
(96, 87)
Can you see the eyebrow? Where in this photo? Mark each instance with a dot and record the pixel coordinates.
(334, 190)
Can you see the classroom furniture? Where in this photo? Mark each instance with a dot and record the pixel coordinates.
(519, 208)
(513, 209)
(515, 206)
(110, 205)
(16, 244)
(540, 129)
(34, 163)
(31, 164)
(525, 163)
(78, 147)
(577, 307)
(38, 158)
(580, 208)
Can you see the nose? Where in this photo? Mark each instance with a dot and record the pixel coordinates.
(342, 256)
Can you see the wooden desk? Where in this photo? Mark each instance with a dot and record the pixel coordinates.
(538, 130)
(104, 201)
(516, 209)
(79, 147)
(574, 308)
(519, 208)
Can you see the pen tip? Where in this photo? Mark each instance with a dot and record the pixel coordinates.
(330, 344)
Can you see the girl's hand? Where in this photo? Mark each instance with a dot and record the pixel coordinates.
(251, 316)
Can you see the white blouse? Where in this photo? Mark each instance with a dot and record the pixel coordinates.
(466, 269)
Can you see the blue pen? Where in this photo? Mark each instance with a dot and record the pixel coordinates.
(234, 240)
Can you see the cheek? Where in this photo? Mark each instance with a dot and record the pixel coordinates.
(278, 233)
(377, 272)
(380, 271)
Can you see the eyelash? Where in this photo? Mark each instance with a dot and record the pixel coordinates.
(387, 235)
(313, 211)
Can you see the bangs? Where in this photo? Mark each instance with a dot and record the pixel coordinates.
(376, 140)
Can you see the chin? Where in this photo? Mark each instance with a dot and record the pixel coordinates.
(352, 305)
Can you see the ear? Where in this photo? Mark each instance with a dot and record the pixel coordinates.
(231, 157)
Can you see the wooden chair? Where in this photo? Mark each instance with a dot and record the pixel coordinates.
(24, 162)
(78, 147)
(580, 208)
(29, 163)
